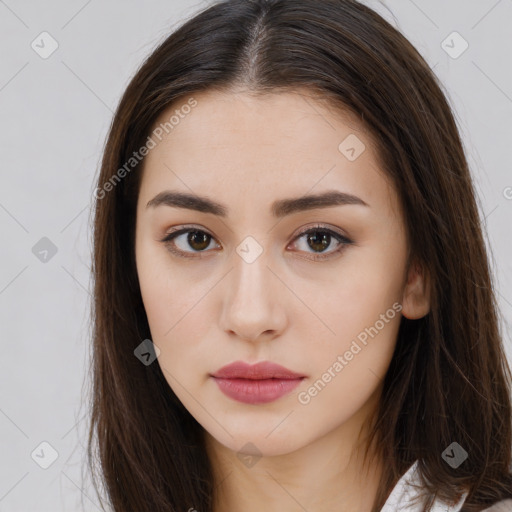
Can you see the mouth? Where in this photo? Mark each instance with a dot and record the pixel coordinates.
(256, 391)
(263, 382)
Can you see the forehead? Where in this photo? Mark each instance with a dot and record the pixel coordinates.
(285, 143)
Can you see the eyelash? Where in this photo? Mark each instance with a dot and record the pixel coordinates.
(168, 240)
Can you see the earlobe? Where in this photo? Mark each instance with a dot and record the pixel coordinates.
(416, 294)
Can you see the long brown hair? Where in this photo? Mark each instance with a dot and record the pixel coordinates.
(448, 381)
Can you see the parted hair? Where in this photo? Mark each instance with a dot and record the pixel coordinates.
(448, 380)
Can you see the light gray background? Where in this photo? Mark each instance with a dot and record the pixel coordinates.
(55, 114)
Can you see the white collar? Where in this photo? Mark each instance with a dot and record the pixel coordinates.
(403, 493)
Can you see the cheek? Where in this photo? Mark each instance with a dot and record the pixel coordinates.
(175, 301)
(166, 291)
(353, 299)
(361, 347)
(155, 291)
(349, 368)
(351, 349)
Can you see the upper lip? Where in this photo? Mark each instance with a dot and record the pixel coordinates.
(258, 371)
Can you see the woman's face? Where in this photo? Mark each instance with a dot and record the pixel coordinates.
(246, 284)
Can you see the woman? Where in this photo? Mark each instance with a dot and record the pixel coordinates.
(293, 305)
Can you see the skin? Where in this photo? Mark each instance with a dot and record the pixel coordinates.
(216, 308)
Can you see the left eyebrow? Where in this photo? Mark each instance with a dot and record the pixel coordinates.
(279, 208)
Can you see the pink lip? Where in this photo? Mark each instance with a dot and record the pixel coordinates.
(259, 383)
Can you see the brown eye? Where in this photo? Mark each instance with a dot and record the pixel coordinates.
(185, 242)
(198, 240)
(317, 240)
(190, 242)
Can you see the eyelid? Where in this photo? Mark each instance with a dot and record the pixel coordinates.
(302, 231)
(179, 230)
(322, 227)
(185, 227)
(340, 237)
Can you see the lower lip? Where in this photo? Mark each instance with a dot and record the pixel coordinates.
(256, 391)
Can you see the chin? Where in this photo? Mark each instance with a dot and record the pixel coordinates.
(258, 442)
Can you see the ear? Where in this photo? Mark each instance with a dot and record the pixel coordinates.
(416, 294)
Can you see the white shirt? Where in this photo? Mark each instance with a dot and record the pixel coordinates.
(403, 493)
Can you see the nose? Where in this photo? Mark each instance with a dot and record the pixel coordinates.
(254, 301)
